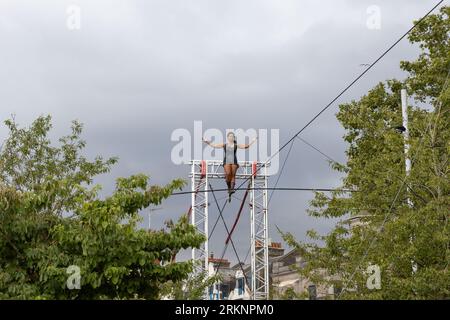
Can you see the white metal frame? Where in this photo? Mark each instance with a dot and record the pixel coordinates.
(199, 215)
(201, 172)
(259, 236)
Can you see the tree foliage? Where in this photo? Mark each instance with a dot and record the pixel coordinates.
(51, 218)
(192, 288)
(402, 220)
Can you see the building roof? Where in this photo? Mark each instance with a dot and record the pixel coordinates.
(293, 252)
(223, 262)
(286, 283)
(238, 267)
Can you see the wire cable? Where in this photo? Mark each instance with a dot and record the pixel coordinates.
(349, 86)
(366, 253)
(281, 172)
(273, 191)
(340, 94)
(318, 150)
(217, 220)
(229, 237)
(268, 189)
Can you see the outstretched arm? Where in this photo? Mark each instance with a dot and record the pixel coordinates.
(246, 146)
(214, 145)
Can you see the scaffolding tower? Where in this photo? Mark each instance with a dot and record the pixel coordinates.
(256, 173)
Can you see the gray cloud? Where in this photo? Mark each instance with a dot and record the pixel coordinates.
(137, 70)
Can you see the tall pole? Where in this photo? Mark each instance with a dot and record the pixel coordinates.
(406, 133)
(404, 95)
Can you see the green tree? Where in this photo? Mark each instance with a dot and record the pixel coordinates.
(289, 294)
(392, 233)
(192, 288)
(51, 218)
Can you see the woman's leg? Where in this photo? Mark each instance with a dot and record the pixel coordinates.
(234, 168)
(228, 171)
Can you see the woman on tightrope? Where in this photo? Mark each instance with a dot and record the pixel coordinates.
(230, 162)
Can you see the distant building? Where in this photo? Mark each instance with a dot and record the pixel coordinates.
(220, 291)
(241, 289)
(282, 276)
(357, 220)
(234, 285)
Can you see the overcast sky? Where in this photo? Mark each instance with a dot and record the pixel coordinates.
(138, 70)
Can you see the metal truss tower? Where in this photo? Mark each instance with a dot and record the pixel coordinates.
(256, 173)
(259, 234)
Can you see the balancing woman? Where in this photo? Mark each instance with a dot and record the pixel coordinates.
(230, 162)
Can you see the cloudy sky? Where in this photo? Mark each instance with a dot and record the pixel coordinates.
(135, 71)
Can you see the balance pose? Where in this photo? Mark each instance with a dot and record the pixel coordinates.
(230, 162)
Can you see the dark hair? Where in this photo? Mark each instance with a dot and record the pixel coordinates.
(234, 136)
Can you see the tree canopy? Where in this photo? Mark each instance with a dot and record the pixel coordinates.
(402, 220)
(54, 224)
